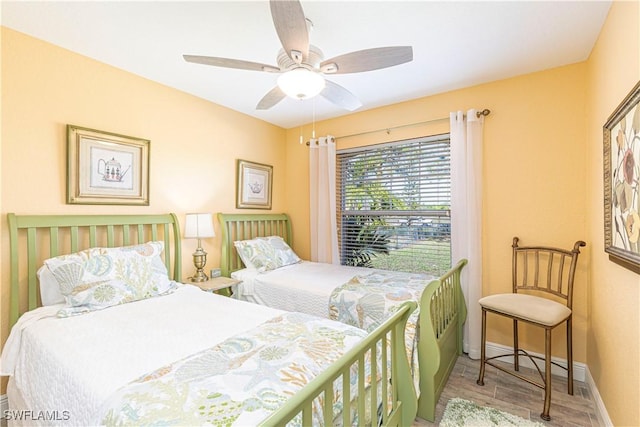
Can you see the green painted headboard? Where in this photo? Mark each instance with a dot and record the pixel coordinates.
(247, 226)
(34, 238)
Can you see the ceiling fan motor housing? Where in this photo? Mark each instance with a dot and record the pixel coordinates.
(313, 61)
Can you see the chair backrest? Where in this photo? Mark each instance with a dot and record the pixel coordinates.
(545, 269)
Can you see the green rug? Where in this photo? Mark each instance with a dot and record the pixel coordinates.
(461, 412)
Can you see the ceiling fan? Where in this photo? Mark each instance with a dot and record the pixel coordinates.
(302, 65)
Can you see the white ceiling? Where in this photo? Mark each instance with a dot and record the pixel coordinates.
(455, 44)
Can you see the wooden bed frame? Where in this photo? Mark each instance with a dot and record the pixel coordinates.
(34, 238)
(442, 307)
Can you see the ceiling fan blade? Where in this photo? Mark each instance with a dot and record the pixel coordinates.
(291, 26)
(272, 97)
(231, 63)
(340, 96)
(367, 60)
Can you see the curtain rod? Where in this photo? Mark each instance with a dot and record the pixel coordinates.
(484, 112)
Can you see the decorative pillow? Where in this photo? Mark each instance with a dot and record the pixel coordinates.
(251, 253)
(98, 278)
(283, 253)
(265, 253)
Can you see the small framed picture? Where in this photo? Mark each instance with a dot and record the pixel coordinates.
(106, 168)
(622, 182)
(253, 185)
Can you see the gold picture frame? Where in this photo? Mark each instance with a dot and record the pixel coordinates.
(622, 182)
(253, 185)
(105, 168)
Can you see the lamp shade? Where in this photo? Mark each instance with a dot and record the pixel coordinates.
(301, 83)
(198, 226)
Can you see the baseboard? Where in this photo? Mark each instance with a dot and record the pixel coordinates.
(579, 369)
(601, 410)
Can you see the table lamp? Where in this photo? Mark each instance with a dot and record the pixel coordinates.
(199, 226)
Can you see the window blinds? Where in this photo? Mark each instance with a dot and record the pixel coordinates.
(394, 204)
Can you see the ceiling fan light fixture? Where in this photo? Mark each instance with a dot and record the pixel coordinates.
(301, 83)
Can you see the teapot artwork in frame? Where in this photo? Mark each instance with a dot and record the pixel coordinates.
(112, 170)
(106, 168)
(253, 185)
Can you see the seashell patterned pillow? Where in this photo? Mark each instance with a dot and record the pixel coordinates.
(98, 278)
(266, 253)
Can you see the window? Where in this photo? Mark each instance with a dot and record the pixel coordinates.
(394, 205)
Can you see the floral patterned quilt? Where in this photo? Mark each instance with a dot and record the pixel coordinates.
(366, 301)
(239, 381)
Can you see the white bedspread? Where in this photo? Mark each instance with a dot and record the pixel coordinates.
(74, 364)
(305, 286)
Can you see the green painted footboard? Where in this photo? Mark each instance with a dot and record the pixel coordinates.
(400, 410)
(442, 315)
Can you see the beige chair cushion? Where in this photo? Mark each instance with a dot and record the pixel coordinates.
(527, 307)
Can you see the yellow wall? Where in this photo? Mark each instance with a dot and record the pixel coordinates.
(194, 143)
(613, 349)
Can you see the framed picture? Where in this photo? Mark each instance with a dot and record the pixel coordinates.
(105, 168)
(253, 185)
(621, 182)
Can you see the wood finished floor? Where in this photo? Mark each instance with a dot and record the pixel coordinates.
(507, 393)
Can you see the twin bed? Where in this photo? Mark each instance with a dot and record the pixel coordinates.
(358, 296)
(116, 342)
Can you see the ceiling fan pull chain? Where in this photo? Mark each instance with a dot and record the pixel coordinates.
(313, 131)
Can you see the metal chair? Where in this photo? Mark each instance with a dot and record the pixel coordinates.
(542, 296)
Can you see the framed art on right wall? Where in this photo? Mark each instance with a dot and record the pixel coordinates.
(622, 182)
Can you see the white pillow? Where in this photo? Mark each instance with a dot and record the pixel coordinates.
(265, 253)
(49, 287)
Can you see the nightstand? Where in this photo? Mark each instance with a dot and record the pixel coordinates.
(216, 284)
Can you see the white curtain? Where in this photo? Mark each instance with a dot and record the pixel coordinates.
(466, 217)
(322, 182)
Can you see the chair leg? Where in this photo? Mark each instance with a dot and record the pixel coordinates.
(547, 375)
(483, 341)
(570, 356)
(516, 347)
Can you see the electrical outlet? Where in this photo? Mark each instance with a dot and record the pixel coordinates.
(215, 272)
